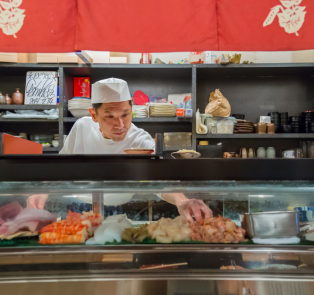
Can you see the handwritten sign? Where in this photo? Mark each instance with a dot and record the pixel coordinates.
(41, 88)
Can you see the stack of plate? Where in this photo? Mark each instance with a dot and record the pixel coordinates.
(140, 112)
(163, 110)
(78, 107)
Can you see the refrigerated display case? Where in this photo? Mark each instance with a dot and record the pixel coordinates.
(149, 267)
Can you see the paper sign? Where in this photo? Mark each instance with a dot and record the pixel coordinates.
(41, 88)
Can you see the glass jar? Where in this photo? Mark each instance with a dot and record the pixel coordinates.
(271, 153)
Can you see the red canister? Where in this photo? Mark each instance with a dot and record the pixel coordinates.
(81, 87)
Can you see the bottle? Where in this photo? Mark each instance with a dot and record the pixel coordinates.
(145, 58)
(251, 153)
(8, 99)
(244, 153)
(261, 153)
(2, 99)
(17, 97)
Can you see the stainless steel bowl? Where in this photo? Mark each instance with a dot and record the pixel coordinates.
(277, 224)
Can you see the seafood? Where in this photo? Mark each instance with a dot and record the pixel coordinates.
(136, 235)
(58, 238)
(28, 219)
(217, 230)
(66, 228)
(75, 229)
(167, 230)
(111, 230)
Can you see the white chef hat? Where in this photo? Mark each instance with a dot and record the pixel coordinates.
(110, 90)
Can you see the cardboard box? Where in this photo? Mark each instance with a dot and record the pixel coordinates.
(118, 60)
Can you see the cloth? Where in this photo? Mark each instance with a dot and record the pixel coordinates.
(110, 90)
(86, 138)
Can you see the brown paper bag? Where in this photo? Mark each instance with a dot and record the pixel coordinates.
(218, 105)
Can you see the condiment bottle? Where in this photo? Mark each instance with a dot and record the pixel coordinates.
(261, 128)
(8, 99)
(244, 153)
(261, 153)
(2, 99)
(251, 153)
(17, 97)
(271, 153)
(270, 128)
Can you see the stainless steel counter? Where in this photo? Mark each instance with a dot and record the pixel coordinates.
(148, 262)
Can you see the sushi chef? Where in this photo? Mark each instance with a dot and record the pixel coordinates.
(109, 130)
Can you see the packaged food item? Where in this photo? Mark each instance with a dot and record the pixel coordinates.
(197, 57)
(218, 105)
(145, 58)
(188, 113)
(180, 113)
(81, 87)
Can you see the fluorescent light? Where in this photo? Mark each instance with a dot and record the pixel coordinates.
(261, 196)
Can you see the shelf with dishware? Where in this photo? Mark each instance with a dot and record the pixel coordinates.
(27, 107)
(253, 90)
(257, 136)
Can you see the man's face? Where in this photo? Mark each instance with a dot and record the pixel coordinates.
(114, 119)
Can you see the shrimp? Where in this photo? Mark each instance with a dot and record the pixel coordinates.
(65, 228)
(217, 230)
(57, 238)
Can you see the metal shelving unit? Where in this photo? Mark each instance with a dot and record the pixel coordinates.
(256, 136)
(252, 89)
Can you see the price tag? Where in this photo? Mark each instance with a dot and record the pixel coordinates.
(41, 88)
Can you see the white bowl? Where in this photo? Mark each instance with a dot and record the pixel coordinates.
(55, 143)
(79, 113)
(186, 155)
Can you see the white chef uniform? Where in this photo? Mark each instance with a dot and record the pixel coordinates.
(86, 138)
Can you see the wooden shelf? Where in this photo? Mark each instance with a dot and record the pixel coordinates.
(27, 107)
(256, 136)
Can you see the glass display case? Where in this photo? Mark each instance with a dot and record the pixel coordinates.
(24, 259)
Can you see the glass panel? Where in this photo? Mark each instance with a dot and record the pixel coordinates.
(143, 202)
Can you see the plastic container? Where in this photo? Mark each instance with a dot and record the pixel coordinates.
(225, 126)
(41, 138)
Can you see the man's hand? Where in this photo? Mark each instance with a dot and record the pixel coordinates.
(188, 208)
(194, 208)
(37, 201)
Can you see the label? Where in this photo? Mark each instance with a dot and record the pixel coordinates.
(41, 88)
(81, 87)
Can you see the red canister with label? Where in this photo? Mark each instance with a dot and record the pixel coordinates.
(81, 87)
